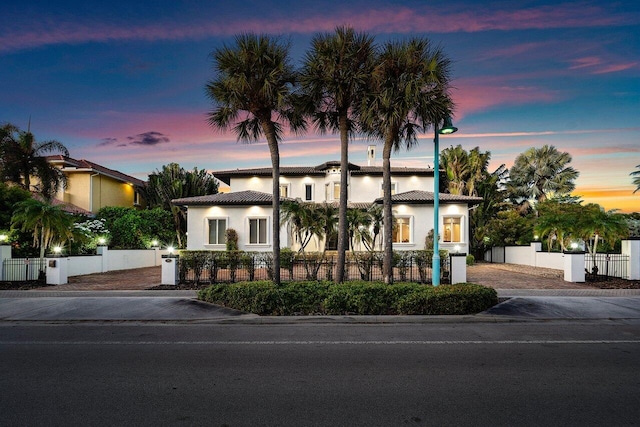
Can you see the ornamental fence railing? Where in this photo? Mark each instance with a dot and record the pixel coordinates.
(601, 267)
(204, 267)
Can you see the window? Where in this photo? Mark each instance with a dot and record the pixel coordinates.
(451, 229)
(284, 190)
(332, 191)
(258, 231)
(402, 230)
(217, 231)
(394, 189)
(308, 192)
(136, 198)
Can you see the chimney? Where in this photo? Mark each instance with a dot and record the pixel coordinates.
(371, 155)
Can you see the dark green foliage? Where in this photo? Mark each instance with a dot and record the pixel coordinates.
(130, 228)
(471, 260)
(362, 298)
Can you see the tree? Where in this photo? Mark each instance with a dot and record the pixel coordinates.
(409, 94)
(254, 82)
(540, 173)
(556, 221)
(174, 182)
(594, 224)
(22, 158)
(636, 178)
(48, 223)
(334, 78)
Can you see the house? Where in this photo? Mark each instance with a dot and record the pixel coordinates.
(247, 208)
(92, 186)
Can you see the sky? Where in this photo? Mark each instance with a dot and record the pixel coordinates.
(122, 83)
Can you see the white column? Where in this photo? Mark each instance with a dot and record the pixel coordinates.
(574, 267)
(458, 268)
(631, 248)
(104, 252)
(5, 253)
(535, 248)
(57, 271)
(169, 270)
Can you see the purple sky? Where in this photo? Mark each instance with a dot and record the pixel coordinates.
(123, 84)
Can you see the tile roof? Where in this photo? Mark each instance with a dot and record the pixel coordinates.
(425, 197)
(68, 162)
(248, 197)
(320, 170)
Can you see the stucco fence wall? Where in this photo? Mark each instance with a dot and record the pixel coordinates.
(534, 256)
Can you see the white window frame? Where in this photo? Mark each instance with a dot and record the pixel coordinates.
(394, 188)
(136, 198)
(410, 237)
(207, 234)
(461, 220)
(286, 187)
(308, 185)
(330, 191)
(267, 233)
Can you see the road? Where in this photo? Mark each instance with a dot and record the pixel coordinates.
(470, 373)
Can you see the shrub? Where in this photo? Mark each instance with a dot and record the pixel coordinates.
(316, 297)
(471, 260)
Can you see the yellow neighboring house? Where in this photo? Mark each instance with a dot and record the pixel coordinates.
(92, 186)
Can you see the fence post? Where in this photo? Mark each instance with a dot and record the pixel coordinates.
(535, 248)
(458, 268)
(104, 252)
(5, 253)
(57, 271)
(574, 267)
(169, 270)
(631, 248)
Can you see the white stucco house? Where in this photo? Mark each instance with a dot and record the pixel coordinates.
(247, 209)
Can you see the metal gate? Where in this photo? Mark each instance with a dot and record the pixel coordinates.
(24, 269)
(603, 266)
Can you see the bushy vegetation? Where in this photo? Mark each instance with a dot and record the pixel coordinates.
(362, 298)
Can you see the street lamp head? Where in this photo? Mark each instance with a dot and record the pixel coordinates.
(447, 127)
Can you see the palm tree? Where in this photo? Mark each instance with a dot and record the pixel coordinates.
(636, 178)
(252, 95)
(409, 94)
(334, 78)
(174, 182)
(594, 224)
(539, 173)
(48, 223)
(22, 158)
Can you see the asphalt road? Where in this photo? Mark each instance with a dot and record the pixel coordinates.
(477, 373)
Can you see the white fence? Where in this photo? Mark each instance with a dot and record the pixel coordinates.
(534, 256)
(106, 260)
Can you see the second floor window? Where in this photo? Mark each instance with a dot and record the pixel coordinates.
(308, 192)
(332, 191)
(452, 231)
(284, 190)
(394, 189)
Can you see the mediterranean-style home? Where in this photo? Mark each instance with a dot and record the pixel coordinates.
(92, 186)
(247, 207)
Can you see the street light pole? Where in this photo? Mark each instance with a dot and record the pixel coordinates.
(447, 128)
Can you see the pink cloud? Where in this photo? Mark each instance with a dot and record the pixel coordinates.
(383, 20)
(598, 65)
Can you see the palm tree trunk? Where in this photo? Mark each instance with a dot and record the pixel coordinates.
(342, 209)
(387, 263)
(270, 134)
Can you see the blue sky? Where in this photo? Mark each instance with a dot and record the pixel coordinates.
(122, 84)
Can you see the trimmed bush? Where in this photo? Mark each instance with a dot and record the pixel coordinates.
(316, 297)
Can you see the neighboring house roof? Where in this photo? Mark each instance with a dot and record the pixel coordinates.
(67, 207)
(320, 170)
(425, 197)
(68, 162)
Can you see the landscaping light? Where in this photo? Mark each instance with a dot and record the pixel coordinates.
(102, 241)
(536, 237)
(57, 250)
(456, 248)
(3, 238)
(447, 128)
(574, 246)
(170, 249)
(154, 243)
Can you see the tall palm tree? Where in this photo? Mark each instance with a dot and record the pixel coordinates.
(22, 158)
(252, 96)
(636, 178)
(539, 173)
(48, 223)
(410, 92)
(334, 78)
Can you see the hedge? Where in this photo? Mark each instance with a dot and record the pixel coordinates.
(327, 298)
